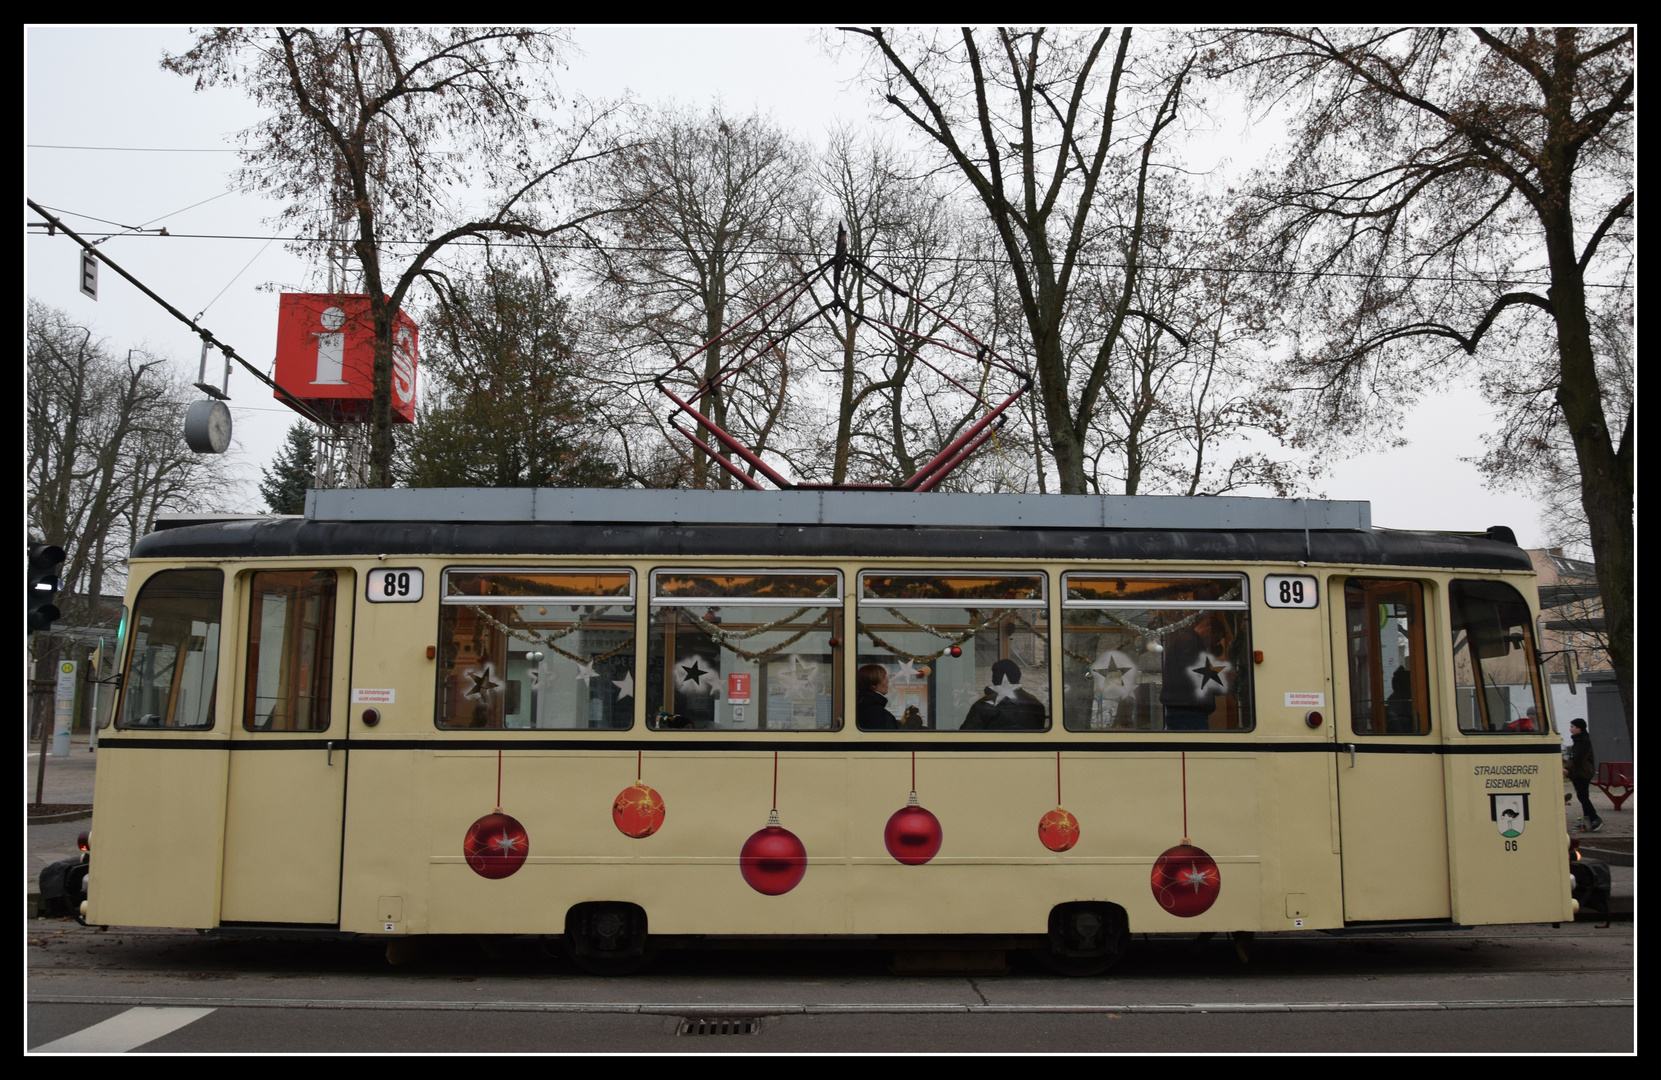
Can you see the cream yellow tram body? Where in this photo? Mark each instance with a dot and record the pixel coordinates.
(319, 714)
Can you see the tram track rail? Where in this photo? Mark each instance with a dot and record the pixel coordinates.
(63, 949)
(739, 1010)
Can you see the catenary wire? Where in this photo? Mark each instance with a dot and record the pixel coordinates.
(959, 259)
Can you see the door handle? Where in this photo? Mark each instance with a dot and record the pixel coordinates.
(331, 749)
(1350, 747)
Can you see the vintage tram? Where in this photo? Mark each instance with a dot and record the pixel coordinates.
(624, 719)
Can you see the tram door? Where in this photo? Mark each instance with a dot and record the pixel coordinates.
(285, 801)
(1391, 800)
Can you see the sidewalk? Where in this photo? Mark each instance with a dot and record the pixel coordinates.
(68, 780)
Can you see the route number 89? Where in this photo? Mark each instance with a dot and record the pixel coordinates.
(1289, 591)
(394, 586)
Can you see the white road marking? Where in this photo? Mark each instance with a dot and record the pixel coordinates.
(124, 1031)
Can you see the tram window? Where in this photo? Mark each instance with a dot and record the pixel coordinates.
(1156, 653)
(908, 627)
(108, 711)
(291, 618)
(173, 666)
(765, 663)
(1388, 671)
(1496, 674)
(519, 584)
(536, 649)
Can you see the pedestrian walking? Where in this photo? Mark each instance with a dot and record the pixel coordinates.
(1583, 767)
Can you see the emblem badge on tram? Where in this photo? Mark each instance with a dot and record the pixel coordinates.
(1510, 814)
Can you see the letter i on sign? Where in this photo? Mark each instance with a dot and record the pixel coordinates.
(331, 348)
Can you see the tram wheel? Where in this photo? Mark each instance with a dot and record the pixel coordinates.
(607, 938)
(1085, 938)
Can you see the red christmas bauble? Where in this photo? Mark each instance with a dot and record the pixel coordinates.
(496, 846)
(638, 811)
(956, 650)
(1186, 881)
(913, 835)
(1058, 830)
(773, 860)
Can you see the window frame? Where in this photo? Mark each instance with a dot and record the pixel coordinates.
(323, 654)
(630, 598)
(1531, 662)
(1245, 700)
(837, 600)
(1039, 603)
(1423, 681)
(836, 603)
(1041, 600)
(135, 628)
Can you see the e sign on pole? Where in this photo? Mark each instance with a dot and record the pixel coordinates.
(89, 274)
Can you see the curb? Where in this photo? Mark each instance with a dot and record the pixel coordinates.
(53, 819)
(1608, 855)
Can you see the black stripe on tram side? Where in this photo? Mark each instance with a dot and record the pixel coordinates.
(835, 746)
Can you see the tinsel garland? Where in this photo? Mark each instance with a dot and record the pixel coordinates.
(1142, 633)
(531, 637)
(1147, 633)
(724, 638)
(938, 653)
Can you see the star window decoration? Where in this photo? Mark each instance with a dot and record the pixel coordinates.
(482, 683)
(1211, 669)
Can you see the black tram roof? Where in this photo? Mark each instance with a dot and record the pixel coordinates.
(474, 523)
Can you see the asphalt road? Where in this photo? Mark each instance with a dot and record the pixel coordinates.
(1513, 990)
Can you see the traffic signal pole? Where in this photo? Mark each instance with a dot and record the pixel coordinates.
(40, 587)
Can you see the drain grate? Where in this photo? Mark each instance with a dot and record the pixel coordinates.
(719, 1025)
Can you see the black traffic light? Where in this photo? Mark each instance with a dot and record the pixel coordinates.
(44, 563)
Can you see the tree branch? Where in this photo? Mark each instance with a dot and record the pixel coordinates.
(1616, 212)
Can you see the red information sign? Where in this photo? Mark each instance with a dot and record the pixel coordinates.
(326, 356)
(738, 689)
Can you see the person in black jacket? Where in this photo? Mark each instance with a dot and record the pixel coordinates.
(871, 705)
(1583, 767)
(1194, 671)
(1005, 706)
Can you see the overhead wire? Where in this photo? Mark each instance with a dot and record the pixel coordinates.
(954, 259)
(138, 149)
(208, 339)
(231, 282)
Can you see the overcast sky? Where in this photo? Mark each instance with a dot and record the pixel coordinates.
(103, 87)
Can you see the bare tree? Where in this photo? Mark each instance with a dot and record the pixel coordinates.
(395, 129)
(105, 452)
(1178, 391)
(1032, 123)
(1432, 171)
(893, 411)
(711, 199)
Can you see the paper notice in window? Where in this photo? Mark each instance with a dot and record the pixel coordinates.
(738, 689)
